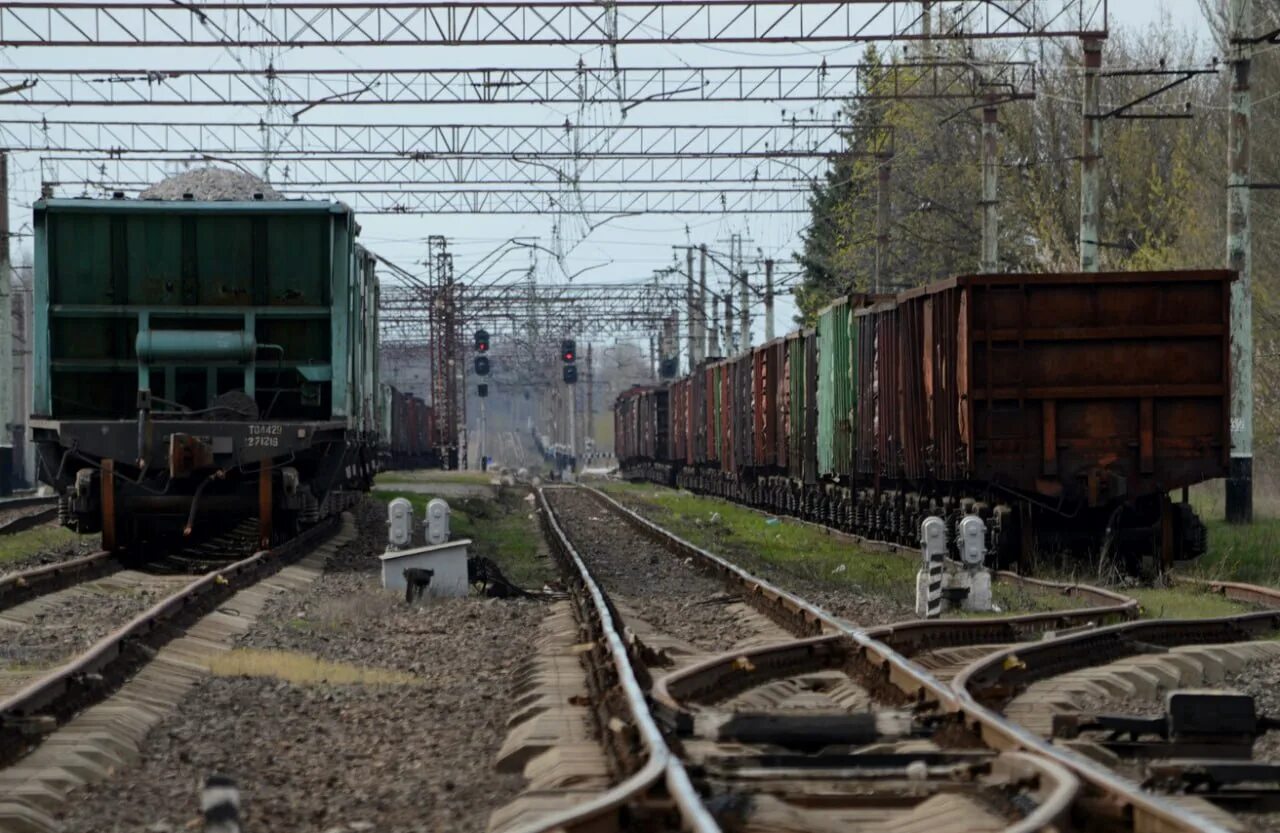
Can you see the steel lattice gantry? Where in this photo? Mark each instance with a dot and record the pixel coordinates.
(291, 23)
(298, 171)
(539, 85)
(764, 199)
(459, 141)
(583, 309)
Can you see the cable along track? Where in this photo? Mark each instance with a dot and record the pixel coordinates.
(743, 727)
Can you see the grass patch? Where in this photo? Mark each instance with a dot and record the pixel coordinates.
(473, 478)
(1014, 598)
(752, 539)
(1183, 603)
(1237, 552)
(503, 528)
(40, 539)
(301, 669)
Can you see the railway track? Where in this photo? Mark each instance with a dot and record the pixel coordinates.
(730, 736)
(103, 700)
(18, 514)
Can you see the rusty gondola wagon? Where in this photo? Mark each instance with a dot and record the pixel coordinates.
(1068, 410)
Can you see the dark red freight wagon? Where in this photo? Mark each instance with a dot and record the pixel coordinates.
(1096, 394)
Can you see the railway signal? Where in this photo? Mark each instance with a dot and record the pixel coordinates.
(482, 391)
(482, 365)
(482, 341)
(570, 374)
(568, 351)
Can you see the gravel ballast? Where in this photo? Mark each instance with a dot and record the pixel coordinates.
(667, 591)
(327, 758)
(210, 183)
(67, 622)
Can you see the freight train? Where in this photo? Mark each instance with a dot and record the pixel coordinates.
(1062, 408)
(202, 361)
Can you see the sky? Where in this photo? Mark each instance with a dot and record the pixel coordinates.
(600, 248)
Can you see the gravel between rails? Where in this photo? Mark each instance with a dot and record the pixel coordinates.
(325, 758)
(76, 618)
(854, 604)
(667, 591)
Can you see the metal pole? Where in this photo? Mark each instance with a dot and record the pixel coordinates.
(1240, 259)
(588, 430)
(573, 436)
(691, 312)
(714, 333)
(483, 434)
(883, 207)
(6, 336)
(990, 188)
(1091, 160)
(702, 308)
(768, 301)
(744, 311)
(730, 346)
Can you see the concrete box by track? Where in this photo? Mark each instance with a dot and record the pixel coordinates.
(447, 560)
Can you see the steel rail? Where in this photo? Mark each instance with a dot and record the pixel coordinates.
(661, 764)
(1147, 812)
(32, 519)
(99, 670)
(991, 678)
(988, 680)
(18, 587)
(1234, 590)
(727, 675)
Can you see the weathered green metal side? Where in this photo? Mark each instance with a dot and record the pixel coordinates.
(283, 274)
(836, 398)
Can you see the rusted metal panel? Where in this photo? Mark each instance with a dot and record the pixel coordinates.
(864, 369)
(760, 396)
(108, 479)
(1096, 387)
(943, 367)
(775, 434)
(711, 394)
(265, 506)
(913, 421)
(744, 407)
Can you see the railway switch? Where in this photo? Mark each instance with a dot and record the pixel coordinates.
(399, 524)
